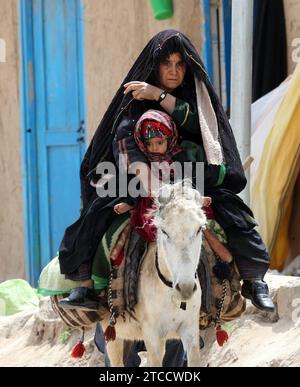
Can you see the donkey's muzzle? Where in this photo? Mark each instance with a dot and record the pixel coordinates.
(186, 290)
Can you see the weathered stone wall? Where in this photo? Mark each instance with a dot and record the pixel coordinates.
(115, 33)
(12, 260)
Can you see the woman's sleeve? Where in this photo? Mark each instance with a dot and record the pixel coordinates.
(214, 174)
(185, 115)
(127, 152)
(125, 149)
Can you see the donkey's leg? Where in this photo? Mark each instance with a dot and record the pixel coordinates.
(190, 339)
(115, 352)
(155, 349)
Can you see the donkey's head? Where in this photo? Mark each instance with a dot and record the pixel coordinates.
(179, 221)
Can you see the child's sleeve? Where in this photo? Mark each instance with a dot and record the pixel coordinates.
(124, 143)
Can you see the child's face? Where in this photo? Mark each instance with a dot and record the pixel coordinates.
(157, 145)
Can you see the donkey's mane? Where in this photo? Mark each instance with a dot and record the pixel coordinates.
(176, 199)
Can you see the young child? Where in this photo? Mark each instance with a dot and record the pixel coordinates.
(156, 136)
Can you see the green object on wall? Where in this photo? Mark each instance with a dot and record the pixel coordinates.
(162, 9)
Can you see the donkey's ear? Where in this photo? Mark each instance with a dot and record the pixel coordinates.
(164, 194)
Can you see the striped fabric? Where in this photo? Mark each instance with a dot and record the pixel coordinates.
(234, 303)
(76, 318)
(212, 289)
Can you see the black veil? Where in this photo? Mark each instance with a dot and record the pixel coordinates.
(144, 69)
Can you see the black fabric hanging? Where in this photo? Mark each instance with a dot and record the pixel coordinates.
(81, 239)
(269, 47)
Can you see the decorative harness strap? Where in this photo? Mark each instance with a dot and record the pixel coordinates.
(167, 282)
(161, 276)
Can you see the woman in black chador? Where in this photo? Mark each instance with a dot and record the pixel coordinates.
(169, 76)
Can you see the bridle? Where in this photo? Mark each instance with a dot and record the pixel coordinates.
(166, 282)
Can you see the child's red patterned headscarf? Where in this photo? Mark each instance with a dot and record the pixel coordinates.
(157, 124)
(153, 124)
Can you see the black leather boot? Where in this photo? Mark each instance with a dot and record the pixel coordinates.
(81, 298)
(258, 292)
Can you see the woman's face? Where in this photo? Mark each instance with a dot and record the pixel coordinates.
(157, 145)
(172, 72)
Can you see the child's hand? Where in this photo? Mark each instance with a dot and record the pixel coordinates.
(121, 208)
(205, 201)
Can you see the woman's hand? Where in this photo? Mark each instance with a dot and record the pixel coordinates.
(121, 208)
(142, 90)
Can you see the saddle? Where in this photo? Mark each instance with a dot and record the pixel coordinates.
(221, 296)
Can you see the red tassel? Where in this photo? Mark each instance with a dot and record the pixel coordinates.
(78, 350)
(110, 333)
(222, 336)
(120, 258)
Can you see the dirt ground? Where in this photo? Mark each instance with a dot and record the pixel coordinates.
(38, 338)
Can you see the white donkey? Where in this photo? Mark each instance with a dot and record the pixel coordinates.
(169, 293)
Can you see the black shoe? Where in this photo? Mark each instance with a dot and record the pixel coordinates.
(258, 293)
(81, 298)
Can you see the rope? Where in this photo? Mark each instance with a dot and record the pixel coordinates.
(221, 303)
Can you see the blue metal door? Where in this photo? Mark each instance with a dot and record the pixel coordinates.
(53, 126)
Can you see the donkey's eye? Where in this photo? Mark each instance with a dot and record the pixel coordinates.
(199, 230)
(166, 234)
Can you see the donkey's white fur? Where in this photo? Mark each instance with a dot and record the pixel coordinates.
(179, 221)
